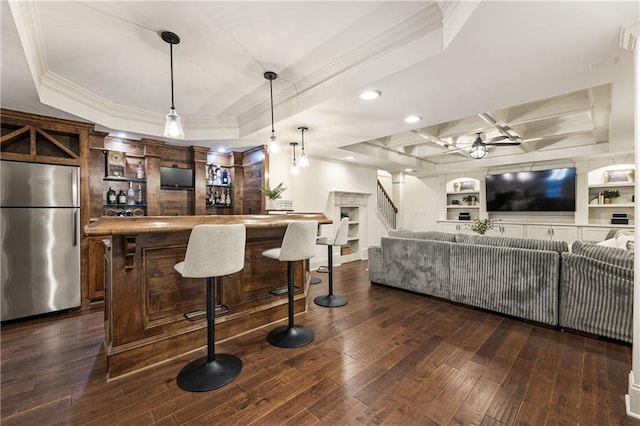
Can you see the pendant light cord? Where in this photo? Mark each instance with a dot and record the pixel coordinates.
(171, 56)
(271, 92)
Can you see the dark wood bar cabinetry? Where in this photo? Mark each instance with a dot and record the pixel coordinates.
(145, 298)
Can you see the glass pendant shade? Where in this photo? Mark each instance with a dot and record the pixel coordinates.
(478, 150)
(173, 125)
(304, 160)
(274, 146)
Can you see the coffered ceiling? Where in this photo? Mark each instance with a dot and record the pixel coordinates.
(557, 76)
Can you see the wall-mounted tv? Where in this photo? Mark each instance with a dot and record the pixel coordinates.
(176, 178)
(551, 190)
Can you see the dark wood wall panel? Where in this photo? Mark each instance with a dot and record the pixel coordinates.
(176, 202)
(167, 294)
(252, 196)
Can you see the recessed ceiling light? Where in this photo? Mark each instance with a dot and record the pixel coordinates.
(350, 157)
(412, 119)
(408, 170)
(370, 95)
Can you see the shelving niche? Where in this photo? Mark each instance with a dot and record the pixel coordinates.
(619, 178)
(457, 192)
(353, 204)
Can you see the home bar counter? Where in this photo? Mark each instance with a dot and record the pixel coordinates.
(145, 297)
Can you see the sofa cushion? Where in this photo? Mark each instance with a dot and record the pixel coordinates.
(511, 242)
(612, 255)
(422, 235)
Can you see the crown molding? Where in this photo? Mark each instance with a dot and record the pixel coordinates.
(308, 90)
(58, 92)
(629, 36)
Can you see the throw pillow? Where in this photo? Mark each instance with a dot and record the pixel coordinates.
(611, 242)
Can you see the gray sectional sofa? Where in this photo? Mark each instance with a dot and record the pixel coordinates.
(537, 280)
(596, 290)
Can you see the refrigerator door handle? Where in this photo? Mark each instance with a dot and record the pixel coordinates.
(75, 227)
(74, 186)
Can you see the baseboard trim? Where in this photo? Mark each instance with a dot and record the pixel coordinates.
(632, 399)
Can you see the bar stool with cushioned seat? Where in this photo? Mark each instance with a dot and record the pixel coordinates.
(331, 300)
(213, 251)
(298, 244)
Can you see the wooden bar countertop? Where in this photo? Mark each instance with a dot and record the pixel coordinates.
(161, 224)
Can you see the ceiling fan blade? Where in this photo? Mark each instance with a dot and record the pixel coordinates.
(496, 138)
(505, 143)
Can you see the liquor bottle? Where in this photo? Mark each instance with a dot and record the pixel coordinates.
(225, 177)
(130, 195)
(228, 198)
(139, 195)
(111, 196)
(139, 171)
(122, 197)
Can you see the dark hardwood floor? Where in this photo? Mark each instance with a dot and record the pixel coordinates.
(388, 357)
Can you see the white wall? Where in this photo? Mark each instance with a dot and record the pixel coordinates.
(309, 191)
(421, 203)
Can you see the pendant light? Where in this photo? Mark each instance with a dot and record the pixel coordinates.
(274, 146)
(304, 160)
(294, 165)
(173, 123)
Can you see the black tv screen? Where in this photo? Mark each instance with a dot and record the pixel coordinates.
(551, 190)
(176, 178)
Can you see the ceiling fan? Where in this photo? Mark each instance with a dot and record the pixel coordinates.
(479, 147)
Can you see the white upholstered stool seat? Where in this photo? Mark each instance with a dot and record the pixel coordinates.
(213, 251)
(298, 244)
(339, 239)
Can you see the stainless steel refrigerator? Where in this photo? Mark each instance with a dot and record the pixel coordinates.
(40, 238)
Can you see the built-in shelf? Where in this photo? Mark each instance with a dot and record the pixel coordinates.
(455, 191)
(611, 206)
(123, 179)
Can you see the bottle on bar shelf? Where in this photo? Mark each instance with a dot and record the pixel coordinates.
(122, 197)
(111, 196)
(130, 195)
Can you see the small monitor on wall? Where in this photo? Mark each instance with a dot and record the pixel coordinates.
(176, 178)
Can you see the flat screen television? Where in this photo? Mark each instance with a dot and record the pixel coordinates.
(176, 178)
(551, 190)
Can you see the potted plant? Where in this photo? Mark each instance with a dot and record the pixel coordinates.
(273, 195)
(469, 199)
(610, 194)
(481, 226)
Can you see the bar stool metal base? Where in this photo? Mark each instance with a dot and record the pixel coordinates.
(201, 376)
(291, 336)
(315, 280)
(330, 301)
